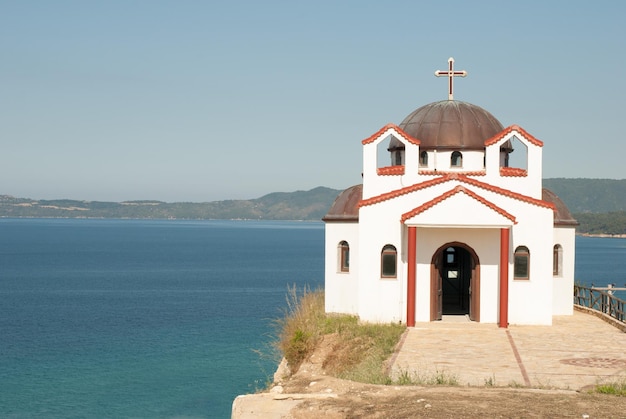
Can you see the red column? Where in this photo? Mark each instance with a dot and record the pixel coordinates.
(504, 277)
(411, 275)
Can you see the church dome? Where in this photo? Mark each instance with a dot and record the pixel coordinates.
(450, 124)
(562, 216)
(346, 205)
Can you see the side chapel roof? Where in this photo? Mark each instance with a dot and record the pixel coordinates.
(562, 216)
(346, 205)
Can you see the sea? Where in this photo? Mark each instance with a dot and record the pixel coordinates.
(162, 319)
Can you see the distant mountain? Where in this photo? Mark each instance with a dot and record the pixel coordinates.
(598, 204)
(299, 205)
(590, 195)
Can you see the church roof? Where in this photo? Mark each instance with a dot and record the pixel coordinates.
(511, 129)
(346, 205)
(456, 190)
(450, 124)
(459, 177)
(562, 216)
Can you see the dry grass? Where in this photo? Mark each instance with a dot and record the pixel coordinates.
(299, 331)
(359, 350)
(438, 378)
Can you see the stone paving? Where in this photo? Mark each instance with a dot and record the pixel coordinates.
(575, 352)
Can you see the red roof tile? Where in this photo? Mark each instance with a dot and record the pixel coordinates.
(387, 127)
(510, 129)
(390, 170)
(513, 172)
(427, 205)
(402, 191)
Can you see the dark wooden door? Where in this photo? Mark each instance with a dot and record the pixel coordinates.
(474, 290)
(436, 290)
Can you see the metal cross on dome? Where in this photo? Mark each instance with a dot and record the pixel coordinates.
(450, 74)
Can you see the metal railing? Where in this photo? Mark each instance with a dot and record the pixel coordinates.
(601, 299)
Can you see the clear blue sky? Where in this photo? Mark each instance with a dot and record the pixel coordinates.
(204, 100)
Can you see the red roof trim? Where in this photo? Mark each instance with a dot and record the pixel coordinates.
(510, 194)
(386, 128)
(427, 205)
(510, 129)
(426, 172)
(402, 191)
(390, 170)
(513, 172)
(462, 178)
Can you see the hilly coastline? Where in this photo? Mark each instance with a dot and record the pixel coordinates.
(299, 205)
(598, 204)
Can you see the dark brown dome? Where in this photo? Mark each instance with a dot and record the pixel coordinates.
(451, 124)
(346, 205)
(562, 215)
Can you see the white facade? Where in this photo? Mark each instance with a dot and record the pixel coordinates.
(455, 217)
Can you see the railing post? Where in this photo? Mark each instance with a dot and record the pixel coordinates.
(602, 300)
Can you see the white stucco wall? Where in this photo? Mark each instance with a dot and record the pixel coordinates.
(563, 285)
(530, 301)
(341, 288)
(380, 299)
(472, 161)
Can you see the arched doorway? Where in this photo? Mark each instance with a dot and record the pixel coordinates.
(455, 282)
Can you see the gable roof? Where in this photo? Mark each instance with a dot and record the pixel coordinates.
(385, 130)
(451, 193)
(447, 178)
(509, 130)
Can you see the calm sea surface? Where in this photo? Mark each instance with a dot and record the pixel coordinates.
(120, 318)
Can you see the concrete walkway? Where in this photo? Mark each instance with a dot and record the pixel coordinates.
(575, 352)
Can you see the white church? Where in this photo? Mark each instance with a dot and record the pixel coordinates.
(451, 219)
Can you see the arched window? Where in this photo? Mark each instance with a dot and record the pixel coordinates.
(344, 256)
(557, 260)
(423, 159)
(388, 259)
(457, 159)
(521, 267)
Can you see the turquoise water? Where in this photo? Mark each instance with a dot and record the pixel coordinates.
(104, 318)
(121, 318)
